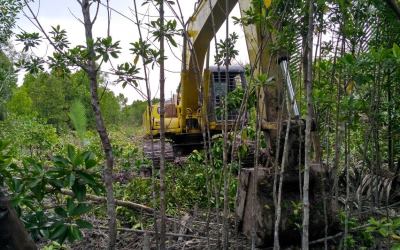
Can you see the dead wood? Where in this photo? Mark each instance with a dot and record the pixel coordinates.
(100, 199)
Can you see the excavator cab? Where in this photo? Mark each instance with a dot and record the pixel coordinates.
(217, 86)
(175, 125)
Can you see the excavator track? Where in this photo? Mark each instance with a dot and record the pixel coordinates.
(174, 152)
(155, 154)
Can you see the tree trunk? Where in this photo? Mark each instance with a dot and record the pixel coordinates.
(282, 171)
(162, 131)
(12, 231)
(150, 106)
(390, 125)
(307, 162)
(100, 126)
(225, 231)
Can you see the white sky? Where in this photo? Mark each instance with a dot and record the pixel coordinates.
(62, 12)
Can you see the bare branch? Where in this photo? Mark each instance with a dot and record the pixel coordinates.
(108, 17)
(77, 18)
(97, 13)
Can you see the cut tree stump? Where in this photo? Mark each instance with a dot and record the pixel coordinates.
(263, 217)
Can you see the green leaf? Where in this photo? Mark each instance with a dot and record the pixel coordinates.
(74, 234)
(80, 209)
(59, 233)
(61, 212)
(83, 224)
(71, 180)
(396, 50)
(79, 191)
(90, 163)
(86, 178)
(396, 247)
(90, 159)
(60, 161)
(172, 41)
(383, 231)
(135, 61)
(78, 118)
(35, 182)
(114, 54)
(78, 160)
(71, 152)
(70, 205)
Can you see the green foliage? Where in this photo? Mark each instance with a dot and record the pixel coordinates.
(8, 14)
(20, 103)
(28, 136)
(48, 97)
(110, 107)
(54, 246)
(378, 231)
(386, 228)
(134, 113)
(106, 48)
(78, 118)
(32, 184)
(187, 186)
(169, 30)
(126, 74)
(143, 49)
(396, 51)
(8, 80)
(54, 98)
(226, 50)
(30, 40)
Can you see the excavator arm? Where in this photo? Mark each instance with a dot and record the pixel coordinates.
(194, 91)
(201, 28)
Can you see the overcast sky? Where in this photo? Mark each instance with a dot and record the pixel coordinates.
(65, 12)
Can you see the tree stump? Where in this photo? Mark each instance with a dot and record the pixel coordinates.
(261, 212)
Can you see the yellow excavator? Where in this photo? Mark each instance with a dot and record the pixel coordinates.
(199, 96)
(184, 116)
(189, 111)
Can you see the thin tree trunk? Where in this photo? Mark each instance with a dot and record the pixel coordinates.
(100, 126)
(215, 187)
(278, 209)
(337, 139)
(346, 146)
(307, 162)
(162, 131)
(150, 106)
(225, 231)
(390, 124)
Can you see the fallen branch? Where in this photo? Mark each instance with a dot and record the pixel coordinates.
(152, 232)
(100, 199)
(326, 238)
(337, 235)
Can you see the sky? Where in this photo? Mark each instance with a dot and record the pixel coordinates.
(66, 13)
